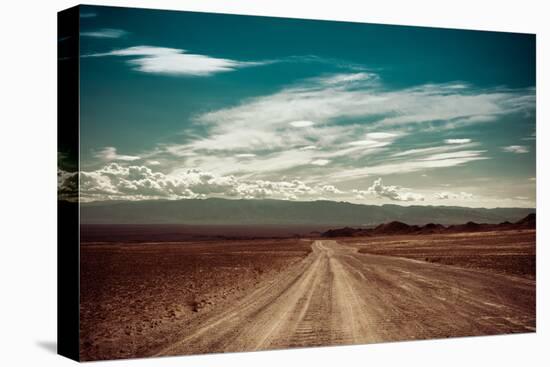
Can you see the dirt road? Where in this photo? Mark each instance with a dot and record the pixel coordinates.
(338, 296)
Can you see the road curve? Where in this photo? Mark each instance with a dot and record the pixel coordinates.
(337, 296)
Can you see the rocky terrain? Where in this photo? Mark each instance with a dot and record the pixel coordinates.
(399, 228)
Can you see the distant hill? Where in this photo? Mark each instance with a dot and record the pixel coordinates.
(215, 211)
(399, 228)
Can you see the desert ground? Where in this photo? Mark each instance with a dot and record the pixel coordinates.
(185, 297)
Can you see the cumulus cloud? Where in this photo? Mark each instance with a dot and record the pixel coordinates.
(331, 189)
(173, 61)
(104, 33)
(458, 141)
(517, 149)
(391, 192)
(117, 182)
(110, 154)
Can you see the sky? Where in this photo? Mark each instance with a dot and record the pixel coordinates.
(178, 105)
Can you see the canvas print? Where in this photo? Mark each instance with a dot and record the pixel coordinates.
(238, 183)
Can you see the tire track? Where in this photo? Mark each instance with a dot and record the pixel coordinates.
(337, 296)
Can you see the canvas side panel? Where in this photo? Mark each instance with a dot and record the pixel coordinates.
(68, 166)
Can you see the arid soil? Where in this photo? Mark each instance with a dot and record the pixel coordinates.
(143, 300)
(136, 298)
(506, 252)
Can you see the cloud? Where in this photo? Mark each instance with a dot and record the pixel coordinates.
(173, 61)
(453, 155)
(110, 154)
(429, 150)
(262, 123)
(391, 192)
(517, 149)
(453, 196)
(302, 123)
(458, 141)
(370, 143)
(104, 33)
(365, 98)
(266, 127)
(117, 182)
(411, 165)
(331, 189)
(320, 162)
(381, 135)
(321, 131)
(346, 78)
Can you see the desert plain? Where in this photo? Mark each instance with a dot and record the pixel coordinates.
(176, 294)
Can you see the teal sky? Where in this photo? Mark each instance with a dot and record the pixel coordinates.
(183, 105)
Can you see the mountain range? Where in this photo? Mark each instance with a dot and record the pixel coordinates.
(400, 228)
(217, 211)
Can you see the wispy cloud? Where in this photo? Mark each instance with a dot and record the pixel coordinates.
(367, 98)
(381, 135)
(177, 62)
(320, 162)
(346, 78)
(458, 141)
(302, 123)
(415, 164)
(108, 154)
(433, 150)
(517, 149)
(105, 33)
(310, 134)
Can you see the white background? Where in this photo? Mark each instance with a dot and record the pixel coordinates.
(28, 182)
